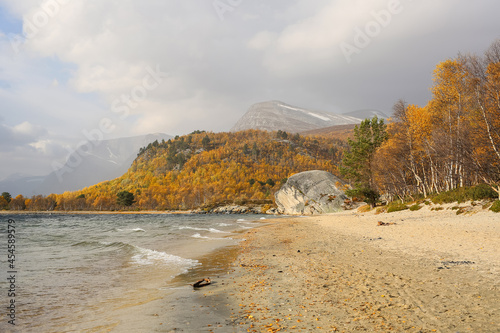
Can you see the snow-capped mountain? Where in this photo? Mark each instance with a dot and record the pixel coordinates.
(366, 113)
(276, 115)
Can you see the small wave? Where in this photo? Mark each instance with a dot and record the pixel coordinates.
(133, 230)
(217, 231)
(105, 246)
(118, 246)
(141, 255)
(88, 244)
(151, 257)
(204, 229)
(224, 225)
(263, 218)
(199, 236)
(240, 220)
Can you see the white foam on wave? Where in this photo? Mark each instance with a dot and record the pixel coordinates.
(262, 218)
(152, 257)
(243, 221)
(204, 229)
(224, 225)
(133, 229)
(199, 236)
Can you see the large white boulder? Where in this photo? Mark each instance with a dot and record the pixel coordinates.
(311, 192)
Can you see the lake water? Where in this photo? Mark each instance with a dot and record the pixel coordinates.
(92, 273)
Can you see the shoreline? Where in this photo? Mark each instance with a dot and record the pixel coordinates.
(424, 271)
(92, 212)
(142, 212)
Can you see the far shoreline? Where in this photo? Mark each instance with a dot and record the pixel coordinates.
(91, 212)
(109, 212)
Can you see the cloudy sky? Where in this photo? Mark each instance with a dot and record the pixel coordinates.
(71, 70)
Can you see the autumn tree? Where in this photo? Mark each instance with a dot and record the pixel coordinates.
(484, 77)
(454, 140)
(18, 203)
(3, 203)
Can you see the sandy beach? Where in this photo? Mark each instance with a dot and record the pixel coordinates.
(423, 271)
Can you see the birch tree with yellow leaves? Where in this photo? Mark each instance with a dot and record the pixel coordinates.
(453, 141)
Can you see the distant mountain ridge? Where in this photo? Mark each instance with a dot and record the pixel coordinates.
(277, 115)
(106, 160)
(366, 113)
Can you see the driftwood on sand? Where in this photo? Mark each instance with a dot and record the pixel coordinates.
(385, 223)
(202, 283)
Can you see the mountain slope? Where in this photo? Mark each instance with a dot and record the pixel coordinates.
(91, 163)
(206, 169)
(106, 160)
(276, 115)
(21, 184)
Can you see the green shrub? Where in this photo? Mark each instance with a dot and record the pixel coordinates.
(462, 194)
(496, 206)
(415, 207)
(456, 195)
(368, 195)
(482, 191)
(395, 207)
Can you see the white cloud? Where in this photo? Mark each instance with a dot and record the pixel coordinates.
(28, 130)
(87, 54)
(312, 44)
(262, 40)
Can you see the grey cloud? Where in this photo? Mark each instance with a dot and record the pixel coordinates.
(260, 50)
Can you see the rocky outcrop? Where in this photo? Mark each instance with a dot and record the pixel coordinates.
(229, 209)
(311, 192)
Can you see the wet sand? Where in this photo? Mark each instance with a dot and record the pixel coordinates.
(425, 271)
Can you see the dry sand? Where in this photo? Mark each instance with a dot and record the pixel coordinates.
(428, 272)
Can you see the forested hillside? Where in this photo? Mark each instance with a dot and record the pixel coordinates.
(206, 169)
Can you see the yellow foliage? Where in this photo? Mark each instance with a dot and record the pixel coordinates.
(203, 169)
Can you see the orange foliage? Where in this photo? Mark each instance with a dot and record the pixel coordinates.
(204, 169)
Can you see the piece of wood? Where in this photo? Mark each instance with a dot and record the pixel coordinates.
(202, 283)
(384, 223)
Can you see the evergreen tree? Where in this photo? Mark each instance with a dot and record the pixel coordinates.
(357, 163)
(206, 142)
(125, 198)
(7, 196)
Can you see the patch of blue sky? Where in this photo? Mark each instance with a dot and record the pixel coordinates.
(55, 69)
(9, 24)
